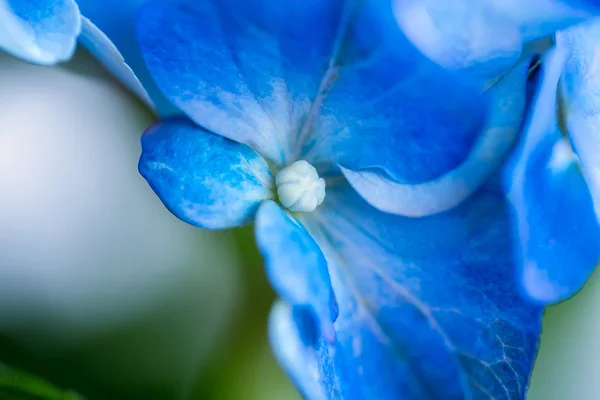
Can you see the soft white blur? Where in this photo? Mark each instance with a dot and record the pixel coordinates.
(85, 245)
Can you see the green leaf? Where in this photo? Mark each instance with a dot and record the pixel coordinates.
(19, 385)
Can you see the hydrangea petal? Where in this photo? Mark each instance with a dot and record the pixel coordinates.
(301, 361)
(249, 70)
(202, 178)
(557, 235)
(485, 36)
(325, 372)
(384, 106)
(295, 265)
(508, 96)
(580, 84)
(39, 31)
(115, 44)
(427, 307)
(106, 52)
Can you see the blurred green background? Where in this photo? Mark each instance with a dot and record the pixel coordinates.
(239, 367)
(105, 294)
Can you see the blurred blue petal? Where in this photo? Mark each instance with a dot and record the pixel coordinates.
(295, 265)
(202, 178)
(310, 371)
(46, 32)
(106, 52)
(580, 84)
(428, 307)
(39, 31)
(115, 20)
(558, 236)
(485, 36)
(507, 98)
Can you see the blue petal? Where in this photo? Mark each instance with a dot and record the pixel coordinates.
(247, 70)
(581, 96)
(115, 20)
(508, 97)
(385, 107)
(485, 36)
(251, 71)
(558, 236)
(106, 52)
(202, 178)
(301, 361)
(295, 265)
(39, 31)
(428, 307)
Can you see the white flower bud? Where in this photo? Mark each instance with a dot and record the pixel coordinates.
(299, 187)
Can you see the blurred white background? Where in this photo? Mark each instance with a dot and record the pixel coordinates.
(85, 245)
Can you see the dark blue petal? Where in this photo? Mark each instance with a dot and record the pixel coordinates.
(558, 236)
(485, 36)
(295, 265)
(581, 98)
(202, 178)
(39, 31)
(495, 139)
(386, 107)
(428, 307)
(116, 21)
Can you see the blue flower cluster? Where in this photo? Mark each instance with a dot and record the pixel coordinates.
(423, 175)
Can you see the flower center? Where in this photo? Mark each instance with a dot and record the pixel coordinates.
(299, 187)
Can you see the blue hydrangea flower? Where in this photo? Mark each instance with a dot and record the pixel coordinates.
(551, 179)
(315, 120)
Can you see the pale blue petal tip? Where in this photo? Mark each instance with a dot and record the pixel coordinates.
(116, 21)
(107, 53)
(39, 31)
(485, 37)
